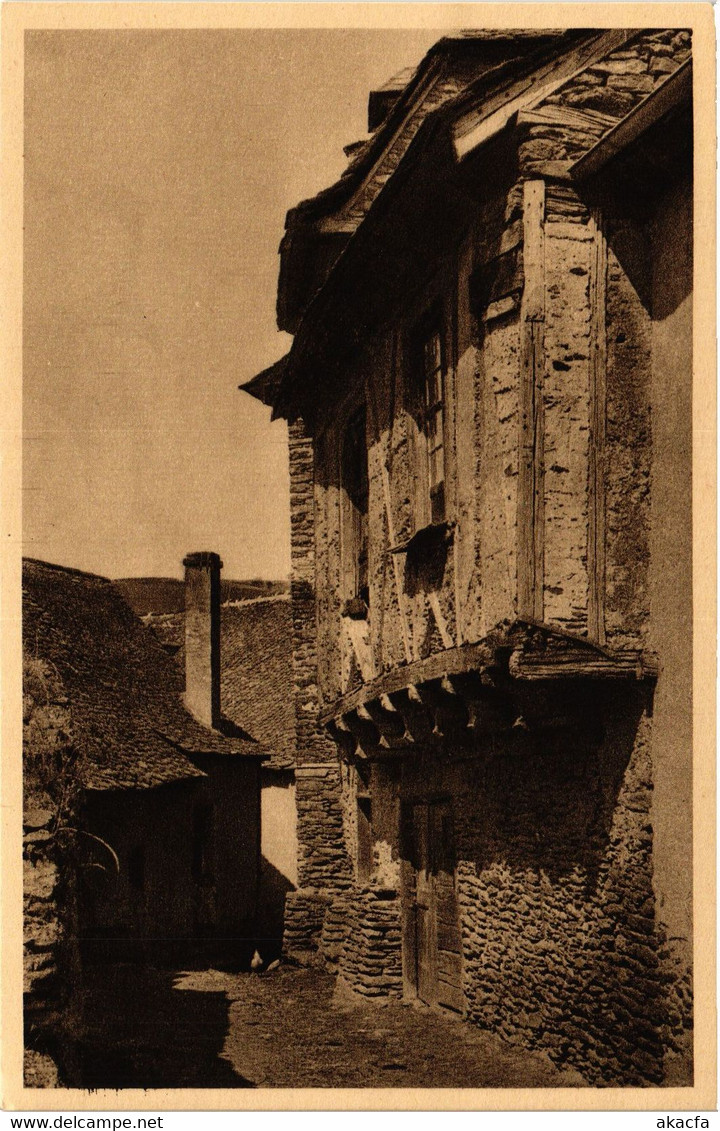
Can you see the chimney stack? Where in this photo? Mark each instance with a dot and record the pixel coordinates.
(202, 636)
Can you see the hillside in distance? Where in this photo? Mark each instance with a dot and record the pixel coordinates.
(167, 594)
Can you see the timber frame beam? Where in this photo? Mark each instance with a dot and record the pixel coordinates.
(530, 572)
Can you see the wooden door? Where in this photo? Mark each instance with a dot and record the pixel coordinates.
(431, 938)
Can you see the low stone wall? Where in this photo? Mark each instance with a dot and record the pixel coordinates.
(361, 940)
(305, 912)
(52, 996)
(52, 983)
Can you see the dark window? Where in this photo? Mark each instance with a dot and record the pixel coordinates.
(201, 843)
(433, 423)
(364, 836)
(136, 868)
(428, 409)
(355, 524)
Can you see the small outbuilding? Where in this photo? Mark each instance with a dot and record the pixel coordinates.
(168, 829)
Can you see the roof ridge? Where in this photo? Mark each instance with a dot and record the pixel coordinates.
(242, 601)
(71, 570)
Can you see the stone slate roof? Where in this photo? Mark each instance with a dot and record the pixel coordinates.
(563, 92)
(256, 682)
(124, 692)
(439, 78)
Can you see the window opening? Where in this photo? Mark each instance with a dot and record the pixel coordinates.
(355, 482)
(201, 843)
(433, 422)
(364, 836)
(136, 868)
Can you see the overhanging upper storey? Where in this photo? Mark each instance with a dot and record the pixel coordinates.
(475, 383)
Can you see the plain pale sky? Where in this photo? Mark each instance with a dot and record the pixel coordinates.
(158, 169)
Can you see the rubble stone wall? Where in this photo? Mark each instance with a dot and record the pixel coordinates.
(361, 940)
(305, 912)
(52, 983)
(561, 943)
(323, 862)
(557, 904)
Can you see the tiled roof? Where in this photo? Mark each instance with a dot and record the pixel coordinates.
(128, 722)
(256, 683)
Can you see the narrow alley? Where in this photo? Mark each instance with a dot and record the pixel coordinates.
(289, 1028)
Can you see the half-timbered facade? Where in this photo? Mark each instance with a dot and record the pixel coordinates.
(489, 404)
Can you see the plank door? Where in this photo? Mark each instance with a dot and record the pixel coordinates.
(432, 940)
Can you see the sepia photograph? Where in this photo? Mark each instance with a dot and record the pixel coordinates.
(359, 704)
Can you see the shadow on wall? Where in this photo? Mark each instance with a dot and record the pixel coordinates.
(552, 804)
(274, 887)
(145, 1030)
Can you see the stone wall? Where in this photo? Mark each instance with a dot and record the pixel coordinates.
(557, 905)
(562, 947)
(313, 743)
(305, 912)
(323, 862)
(361, 940)
(52, 977)
(52, 988)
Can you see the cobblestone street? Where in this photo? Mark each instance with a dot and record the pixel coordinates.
(289, 1028)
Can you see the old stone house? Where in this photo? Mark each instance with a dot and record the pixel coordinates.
(165, 835)
(488, 396)
(254, 669)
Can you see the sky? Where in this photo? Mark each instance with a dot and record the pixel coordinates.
(159, 166)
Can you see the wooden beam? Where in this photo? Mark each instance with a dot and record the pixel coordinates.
(479, 125)
(363, 729)
(436, 695)
(596, 471)
(578, 664)
(417, 719)
(675, 90)
(358, 634)
(340, 733)
(468, 657)
(390, 723)
(589, 121)
(387, 500)
(445, 635)
(532, 360)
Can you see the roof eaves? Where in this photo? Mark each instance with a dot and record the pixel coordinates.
(672, 93)
(265, 385)
(215, 744)
(480, 123)
(580, 55)
(340, 192)
(428, 69)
